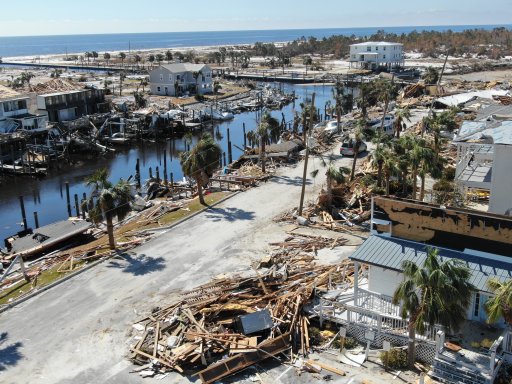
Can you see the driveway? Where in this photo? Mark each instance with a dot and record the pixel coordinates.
(77, 332)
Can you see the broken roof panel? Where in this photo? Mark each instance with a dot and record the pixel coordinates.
(462, 98)
(494, 132)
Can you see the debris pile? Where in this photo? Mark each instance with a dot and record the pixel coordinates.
(231, 323)
(55, 85)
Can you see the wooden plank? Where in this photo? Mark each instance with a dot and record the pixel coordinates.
(157, 337)
(327, 367)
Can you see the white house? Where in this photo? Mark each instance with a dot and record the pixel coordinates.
(403, 230)
(484, 155)
(14, 112)
(179, 78)
(372, 55)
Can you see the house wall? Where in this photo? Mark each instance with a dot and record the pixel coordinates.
(384, 281)
(500, 200)
(386, 53)
(11, 108)
(160, 78)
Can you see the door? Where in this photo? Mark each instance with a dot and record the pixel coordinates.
(166, 89)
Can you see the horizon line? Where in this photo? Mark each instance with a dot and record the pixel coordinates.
(267, 29)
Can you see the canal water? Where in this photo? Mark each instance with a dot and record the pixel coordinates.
(47, 196)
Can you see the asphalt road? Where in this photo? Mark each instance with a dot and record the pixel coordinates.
(77, 332)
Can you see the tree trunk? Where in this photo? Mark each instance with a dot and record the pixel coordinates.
(411, 345)
(200, 191)
(414, 183)
(422, 188)
(262, 154)
(356, 153)
(404, 183)
(329, 191)
(388, 176)
(386, 104)
(110, 232)
(379, 173)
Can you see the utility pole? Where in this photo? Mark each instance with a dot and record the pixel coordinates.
(304, 174)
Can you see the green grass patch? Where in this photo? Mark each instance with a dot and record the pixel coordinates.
(45, 278)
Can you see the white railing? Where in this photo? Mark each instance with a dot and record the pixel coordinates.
(377, 302)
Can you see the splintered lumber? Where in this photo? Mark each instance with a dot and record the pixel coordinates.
(327, 367)
(240, 361)
(204, 325)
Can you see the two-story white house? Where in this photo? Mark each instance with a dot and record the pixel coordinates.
(14, 112)
(180, 78)
(372, 55)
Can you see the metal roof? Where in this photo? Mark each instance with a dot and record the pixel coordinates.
(494, 110)
(390, 253)
(493, 132)
(462, 98)
(50, 234)
(183, 67)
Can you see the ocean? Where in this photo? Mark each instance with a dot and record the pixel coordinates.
(61, 44)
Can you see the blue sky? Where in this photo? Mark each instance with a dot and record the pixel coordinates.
(49, 17)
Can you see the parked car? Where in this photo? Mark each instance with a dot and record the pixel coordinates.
(332, 127)
(347, 148)
(388, 124)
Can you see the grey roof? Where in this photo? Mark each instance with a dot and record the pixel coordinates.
(390, 253)
(183, 67)
(496, 110)
(495, 132)
(462, 98)
(49, 234)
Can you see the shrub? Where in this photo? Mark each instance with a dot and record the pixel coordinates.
(394, 359)
(350, 343)
(449, 173)
(199, 97)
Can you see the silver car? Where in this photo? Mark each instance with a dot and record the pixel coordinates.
(347, 148)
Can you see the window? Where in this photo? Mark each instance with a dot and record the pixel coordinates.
(161, 77)
(383, 56)
(203, 78)
(177, 77)
(158, 89)
(170, 77)
(369, 49)
(384, 48)
(476, 309)
(377, 48)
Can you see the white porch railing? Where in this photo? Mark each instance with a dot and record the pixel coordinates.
(377, 302)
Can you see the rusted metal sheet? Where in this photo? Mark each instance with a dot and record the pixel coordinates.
(444, 227)
(266, 349)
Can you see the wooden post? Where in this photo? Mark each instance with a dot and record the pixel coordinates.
(23, 214)
(68, 199)
(36, 220)
(165, 166)
(245, 137)
(172, 182)
(77, 206)
(137, 173)
(157, 175)
(224, 158)
(230, 153)
(150, 173)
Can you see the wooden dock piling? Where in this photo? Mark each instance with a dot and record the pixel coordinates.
(23, 214)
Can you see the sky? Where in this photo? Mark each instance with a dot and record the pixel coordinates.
(65, 17)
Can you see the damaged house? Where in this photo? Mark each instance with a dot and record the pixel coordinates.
(403, 230)
(15, 115)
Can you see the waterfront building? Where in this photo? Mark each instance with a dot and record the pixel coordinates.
(70, 105)
(374, 55)
(180, 78)
(14, 112)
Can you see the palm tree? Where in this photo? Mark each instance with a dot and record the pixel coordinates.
(401, 115)
(176, 88)
(107, 200)
(137, 59)
(266, 132)
(144, 83)
(358, 139)
(94, 55)
(168, 56)
(87, 56)
(381, 140)
(196, 75)
(26, 77)
(500, 305)
(385, 90)
(333, 175)
(307, 60)
(419, 153)
(363, 99)
(437, 293)
(122, 56)
(201, 162)
(151, 59)
(159, 58)
(431, 76)
(389, 167)
(106, 56)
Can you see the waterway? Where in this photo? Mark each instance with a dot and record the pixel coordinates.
(47, 196)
